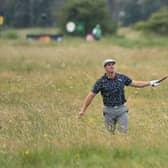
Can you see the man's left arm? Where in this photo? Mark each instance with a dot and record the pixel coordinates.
(141, 84)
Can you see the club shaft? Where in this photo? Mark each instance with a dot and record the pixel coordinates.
(163, 79)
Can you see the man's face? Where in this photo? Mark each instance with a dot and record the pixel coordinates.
(110, 67)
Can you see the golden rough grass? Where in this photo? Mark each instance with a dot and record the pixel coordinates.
(43, 88)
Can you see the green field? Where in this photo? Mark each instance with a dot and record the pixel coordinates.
(42, 89)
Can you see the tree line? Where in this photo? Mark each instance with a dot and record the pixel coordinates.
(128, 12)
(31, 13)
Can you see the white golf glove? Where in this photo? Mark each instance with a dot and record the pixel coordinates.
(154, 83)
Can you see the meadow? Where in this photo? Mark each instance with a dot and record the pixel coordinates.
(42, 89)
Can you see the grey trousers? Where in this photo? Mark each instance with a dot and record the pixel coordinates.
(116, 115)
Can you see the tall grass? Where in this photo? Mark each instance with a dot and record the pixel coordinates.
(9, 34)
(126, 37)
(89, 156)
(42, 89)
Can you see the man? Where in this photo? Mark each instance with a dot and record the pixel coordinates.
(97, 32)
(111, 85)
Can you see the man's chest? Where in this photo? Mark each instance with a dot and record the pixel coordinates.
(112, 85)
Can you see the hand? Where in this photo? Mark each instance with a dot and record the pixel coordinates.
(154, 83)
(81, 113)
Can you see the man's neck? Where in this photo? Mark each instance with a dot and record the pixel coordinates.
(110, 75)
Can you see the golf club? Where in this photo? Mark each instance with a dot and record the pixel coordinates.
(162, 79)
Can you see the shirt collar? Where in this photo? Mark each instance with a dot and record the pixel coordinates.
(105, 76)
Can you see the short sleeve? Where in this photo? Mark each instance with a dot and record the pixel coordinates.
(127, 80)
(96, 87)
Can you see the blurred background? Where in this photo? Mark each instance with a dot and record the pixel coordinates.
(146, 15)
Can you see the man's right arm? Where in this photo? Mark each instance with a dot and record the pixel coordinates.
(87, 102)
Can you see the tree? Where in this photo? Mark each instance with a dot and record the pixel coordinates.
(157, 23)
(89, 12)
(29, 13)
(136, 10)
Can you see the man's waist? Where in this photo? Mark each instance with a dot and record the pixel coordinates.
(114, 103)
(114, 106)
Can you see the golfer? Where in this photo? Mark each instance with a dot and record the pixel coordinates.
(111, 85)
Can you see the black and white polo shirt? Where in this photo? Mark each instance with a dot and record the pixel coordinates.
(112, 90)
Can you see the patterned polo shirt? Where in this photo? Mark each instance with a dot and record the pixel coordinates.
(112, 90)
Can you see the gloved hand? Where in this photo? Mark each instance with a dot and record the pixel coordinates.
(154, 83)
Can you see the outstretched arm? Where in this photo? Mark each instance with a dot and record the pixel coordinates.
(87, 102)
(141, 84)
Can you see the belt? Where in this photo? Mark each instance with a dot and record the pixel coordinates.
(115, 107)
